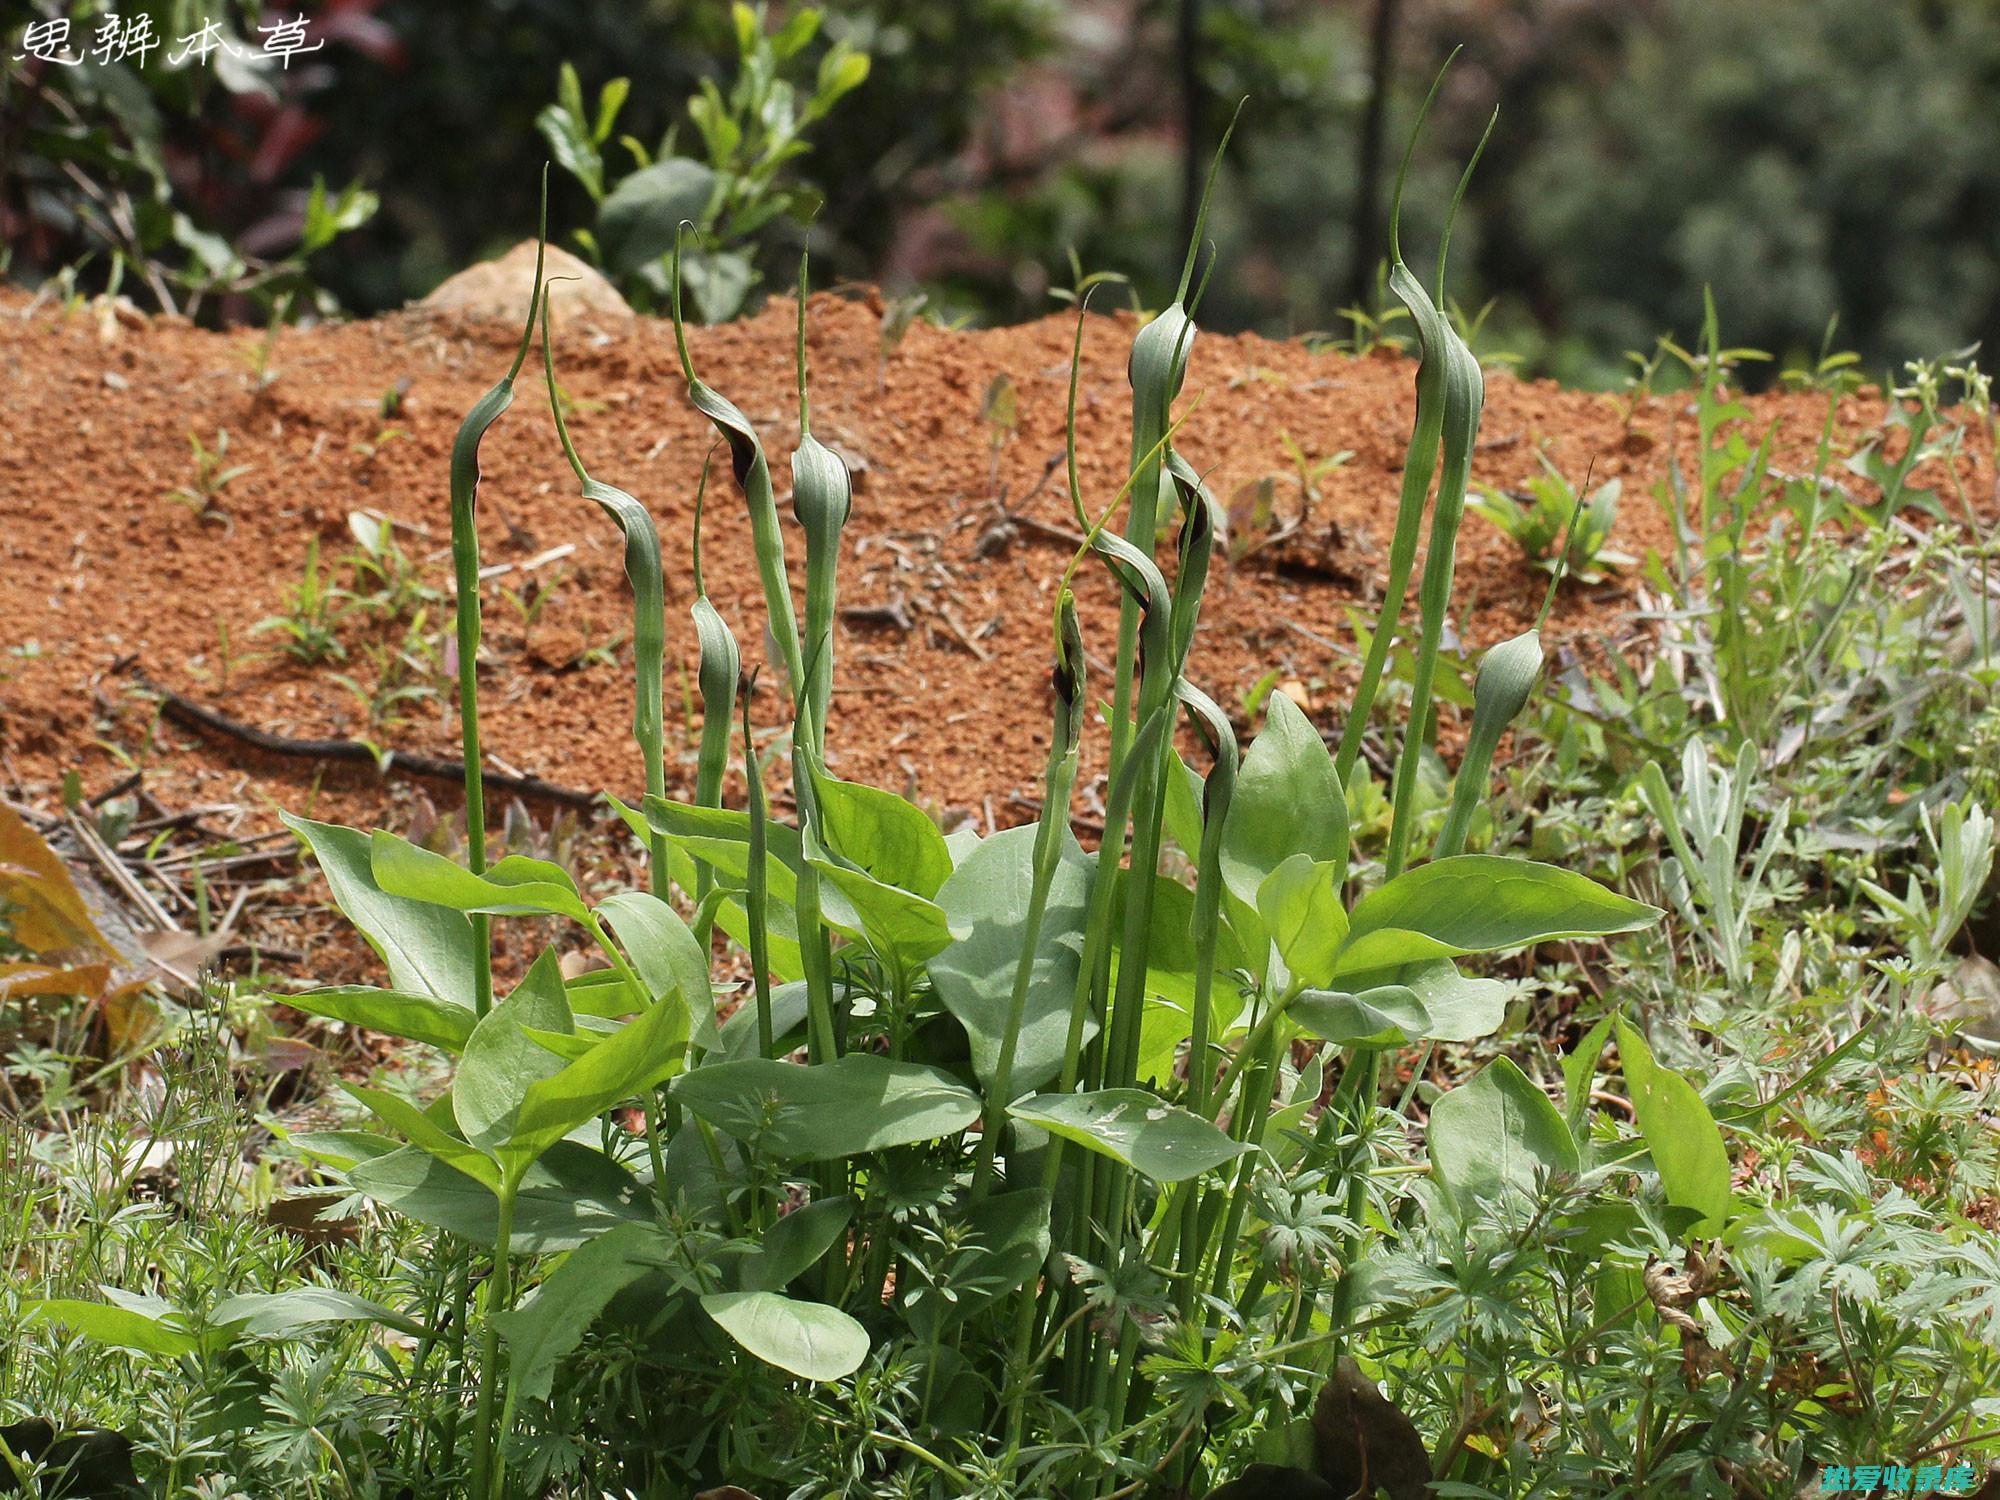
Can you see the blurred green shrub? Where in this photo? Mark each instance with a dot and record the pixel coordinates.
(732, 191)
(175, 177)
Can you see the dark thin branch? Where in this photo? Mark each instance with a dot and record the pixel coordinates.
(187, 712)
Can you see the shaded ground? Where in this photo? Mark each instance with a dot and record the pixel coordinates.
(941, 672)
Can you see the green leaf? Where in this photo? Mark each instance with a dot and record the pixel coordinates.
(1287, 801)
(501, 1060)
(1171, 951)
(988, 896)
(795, 1244)
(853, 1104)
(117, 1327)
(667, 954)
(286, 1314)
(419, 1018)
(1579, 1071)
(428, 950)
(1686, 1144)
(1135, 1128)
(807, 1339)
(1461, 1008)
(789, 1005)
(573, 150)
(515, 886)
(1498, 1132)
(541, 1331)
(569, 1196)
(636, 223)
(1480, 903)
(880, 833)
(1300, 906)
(1389, 1015)
(342, 1150)
(628, 1063)
(426, 1133)
(605, 993)
(897, 924)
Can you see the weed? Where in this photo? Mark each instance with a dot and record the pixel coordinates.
(312, 611)
(213, 474)
(1536, 520)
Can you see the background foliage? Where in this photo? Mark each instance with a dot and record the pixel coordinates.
(1783, 153)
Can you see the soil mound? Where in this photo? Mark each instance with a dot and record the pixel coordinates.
(114, 565)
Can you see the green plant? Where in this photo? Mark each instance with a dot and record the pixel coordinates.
(213, 474)
(388, 584)
(999, 953)
(1536, 520)
(312, 613)
(735, 191)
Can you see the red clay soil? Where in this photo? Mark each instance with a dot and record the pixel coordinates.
(102, 573)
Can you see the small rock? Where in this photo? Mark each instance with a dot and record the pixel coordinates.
(501, 288)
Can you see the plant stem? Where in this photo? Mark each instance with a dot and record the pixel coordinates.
(489, 1457)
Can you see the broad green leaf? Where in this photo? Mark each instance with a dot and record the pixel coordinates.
(988, 896)
(781, 933)
(878, 831)
(1300, 1100)
(796, 1243)
(720, 838)
(571, 1195)
(1389, 1015)
(667, 955)
(426, 1134)
(1300, 906)
(637, 221)
(1168, 1024)
(420, 1018)
(807, 1339)
(117, 1327)
(1183, 805)
(501, 1060)
(1479, 903)
(788, 1022)
(630, 1062)
(853, 1104)
(898, 925)
(603, 992)
(1171, 954)
(1461, 1008)
(286, 1314)
(541, 1331)
(517, 885)
(1133, 1127)
(1686, 1145)
(1498, 1132)
(342, 1150)
(1287, 801)
(428, 949)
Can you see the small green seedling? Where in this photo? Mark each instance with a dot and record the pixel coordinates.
(310, 614)
(213, 473)
(1536, 517)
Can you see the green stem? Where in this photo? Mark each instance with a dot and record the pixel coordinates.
(489, 1456)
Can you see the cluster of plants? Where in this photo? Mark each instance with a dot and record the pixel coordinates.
(848, 1156)
(731, 189)
(173, 183)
